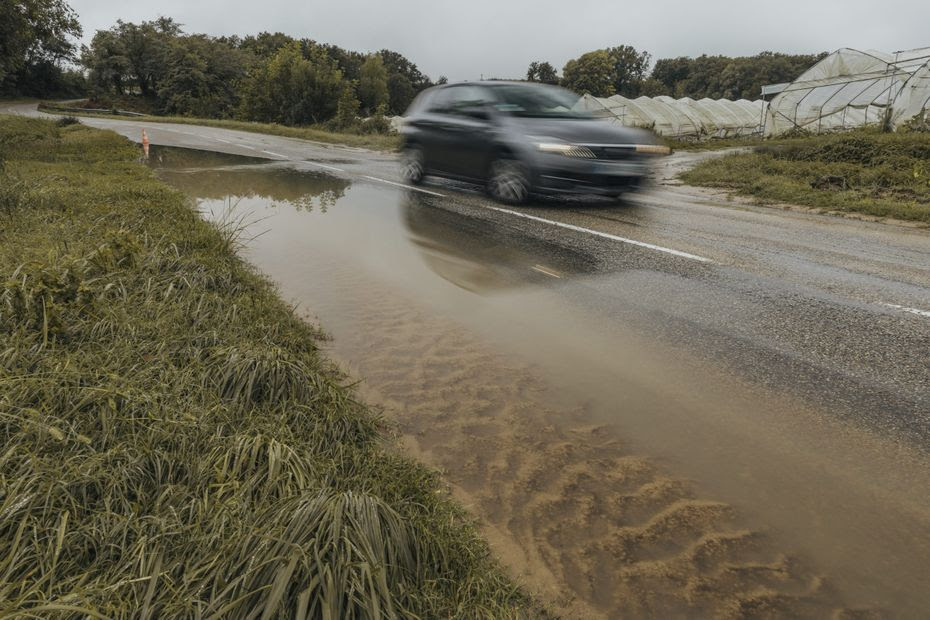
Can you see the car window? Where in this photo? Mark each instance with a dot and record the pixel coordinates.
(536, 100)
(458, 100)
(421, 102)
(441, 102)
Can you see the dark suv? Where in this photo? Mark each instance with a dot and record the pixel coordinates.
(519, 138)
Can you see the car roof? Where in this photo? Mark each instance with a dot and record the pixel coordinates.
(491, 83)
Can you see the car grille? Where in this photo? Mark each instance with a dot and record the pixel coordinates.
(611, 152)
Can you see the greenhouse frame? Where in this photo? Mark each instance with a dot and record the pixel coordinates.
(850, 89)
(680, 118)
(845, 90)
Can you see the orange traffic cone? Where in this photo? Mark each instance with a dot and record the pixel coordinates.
(145, 144)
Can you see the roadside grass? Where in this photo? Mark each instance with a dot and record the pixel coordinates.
(172, 441)
(16, 100)
(865, 171)
(374, 141)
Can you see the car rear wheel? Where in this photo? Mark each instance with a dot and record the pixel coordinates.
(413, 165)
(509, 181)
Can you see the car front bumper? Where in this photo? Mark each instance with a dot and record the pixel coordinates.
(565, 174)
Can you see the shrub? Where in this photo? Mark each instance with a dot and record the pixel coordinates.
(64, 121)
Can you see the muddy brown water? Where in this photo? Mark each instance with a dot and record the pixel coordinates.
(613, 473)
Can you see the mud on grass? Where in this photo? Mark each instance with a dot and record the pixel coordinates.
(173, 442)
(867, 171)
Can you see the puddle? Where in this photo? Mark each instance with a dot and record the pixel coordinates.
(403, 236)
(614, 475)
(169, 158)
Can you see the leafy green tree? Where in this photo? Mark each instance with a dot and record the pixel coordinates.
(108, 62)
(147, 46)
(669, 72)
(400, 93)
(202, 77)
(726, 77)
(186, 85)
(373, 84)
(348, 109)
(442, 80)
(34, 32)
(349, 62)
(130, 57)
(264, 45)
(405, 80)
(292, 89)
(591, 73)
(629, 69)
(542, 72)
(652, 87)
(194, 75)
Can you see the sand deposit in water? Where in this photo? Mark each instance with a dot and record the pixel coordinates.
(594, 484)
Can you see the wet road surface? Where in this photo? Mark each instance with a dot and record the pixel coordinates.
(619, 392)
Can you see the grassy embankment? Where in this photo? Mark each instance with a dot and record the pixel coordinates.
(865, 171)
(374, 141)
(172, 441)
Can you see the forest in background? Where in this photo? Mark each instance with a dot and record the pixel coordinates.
(158, 68)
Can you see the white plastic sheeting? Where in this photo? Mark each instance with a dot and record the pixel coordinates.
(396, 122)
(680, 118)
(850, 88)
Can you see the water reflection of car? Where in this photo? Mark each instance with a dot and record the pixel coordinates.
(518, 138)
(480, 257)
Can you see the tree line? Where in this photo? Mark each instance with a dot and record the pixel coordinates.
(269, 77)
(36, 39)
(623, 70)
(273, 77)
(155, 66)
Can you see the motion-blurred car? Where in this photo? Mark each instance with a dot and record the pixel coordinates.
(520, 138)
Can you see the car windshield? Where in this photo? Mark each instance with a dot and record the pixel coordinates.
(537, 101)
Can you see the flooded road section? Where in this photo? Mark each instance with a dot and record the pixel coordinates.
(617, 467)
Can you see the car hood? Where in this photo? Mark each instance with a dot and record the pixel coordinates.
(583, 130)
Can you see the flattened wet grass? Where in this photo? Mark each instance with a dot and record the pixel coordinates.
(173, 442)
(867, 171)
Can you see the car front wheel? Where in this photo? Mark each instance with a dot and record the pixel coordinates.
(413, 165)
(509, 181)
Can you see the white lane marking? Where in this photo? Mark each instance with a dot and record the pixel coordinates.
(245, 146)
(542, 269)
(597, 233)
(416, 189)
(313, 163)
(917, 311)
(273, 154)
(222, 140)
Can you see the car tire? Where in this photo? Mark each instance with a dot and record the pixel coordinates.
(509, 180)
(413, 165)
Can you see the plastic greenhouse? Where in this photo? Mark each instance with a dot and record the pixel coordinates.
(680, 118)
(850, 88)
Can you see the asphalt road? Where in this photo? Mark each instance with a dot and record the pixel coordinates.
(828, 314)
(834, 309)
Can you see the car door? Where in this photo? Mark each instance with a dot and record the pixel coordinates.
(454, 131)
(433, 129)
(468, 131)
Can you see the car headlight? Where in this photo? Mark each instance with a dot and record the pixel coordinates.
(653, 149)
(569, 150)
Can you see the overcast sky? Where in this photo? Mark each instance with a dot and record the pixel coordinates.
(464, 39)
